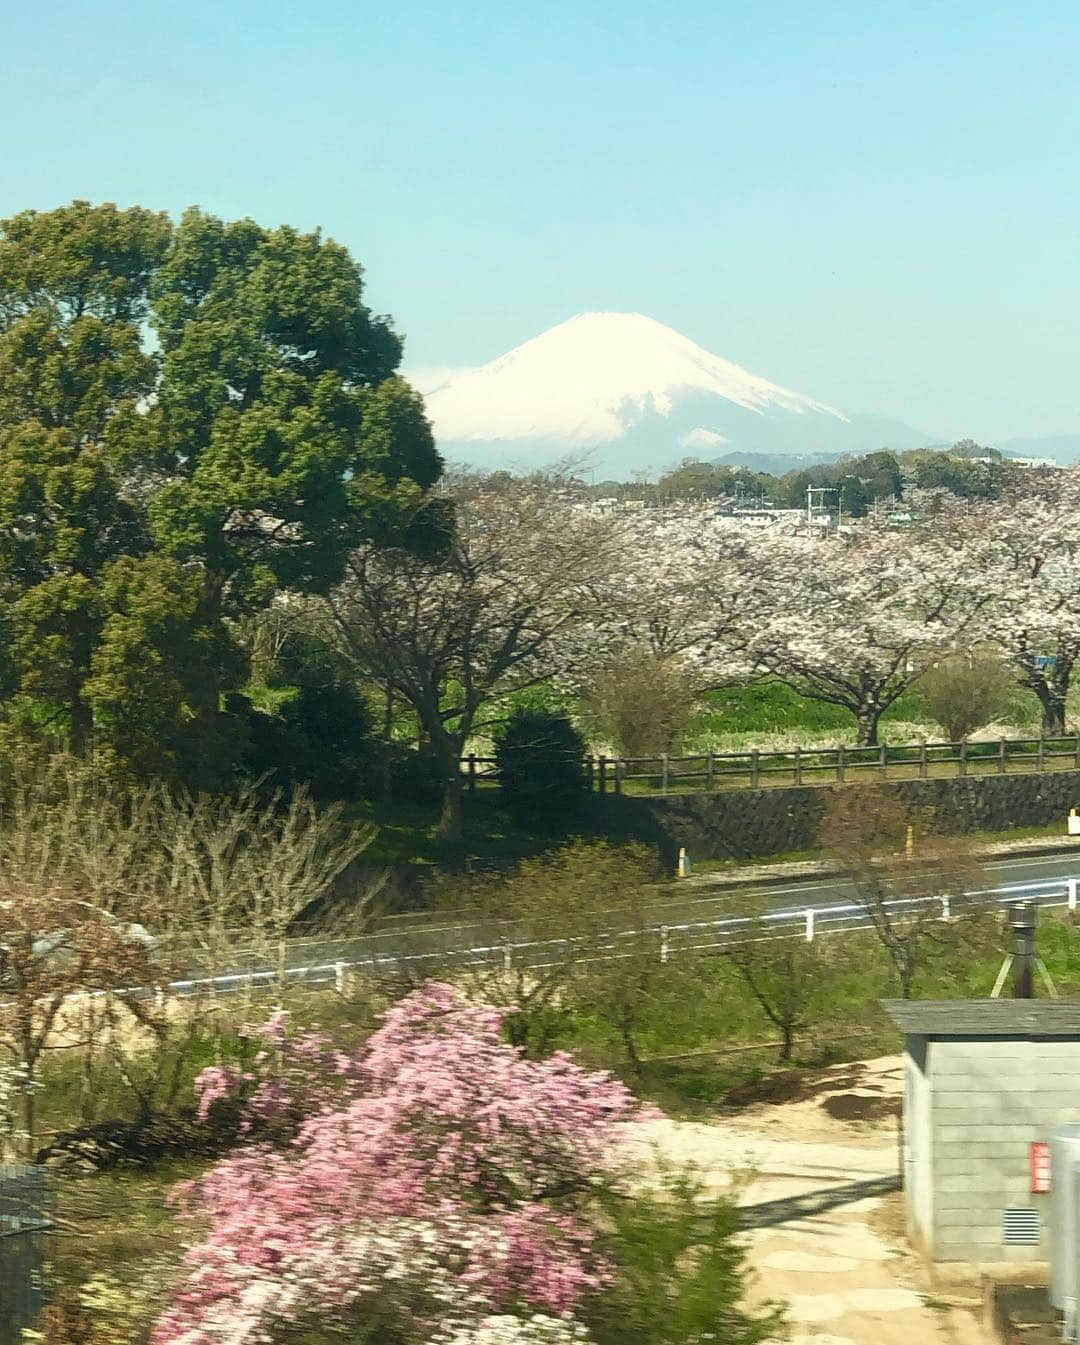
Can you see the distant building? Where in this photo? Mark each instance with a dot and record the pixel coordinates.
(1033, 462)
(756, 519)
(986, 1084)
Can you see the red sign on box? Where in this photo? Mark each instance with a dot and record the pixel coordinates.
(1040, 1168)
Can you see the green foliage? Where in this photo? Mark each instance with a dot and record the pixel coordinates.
(322, 738)
(682, 1269)
(159, 658)
(278, 422)
(967, 470)
(540, 758)
(768, 707)
(860, 481)
(148, 498)
(965, 691)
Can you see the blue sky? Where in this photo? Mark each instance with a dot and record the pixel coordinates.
(874, 203)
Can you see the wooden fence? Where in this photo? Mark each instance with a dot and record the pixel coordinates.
(756, 769)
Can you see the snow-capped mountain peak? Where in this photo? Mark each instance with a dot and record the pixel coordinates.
(628, 393)
(588, 380)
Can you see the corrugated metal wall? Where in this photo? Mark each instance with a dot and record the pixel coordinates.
(24, 1212)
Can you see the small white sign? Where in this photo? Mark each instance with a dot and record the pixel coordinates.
(1074, 823)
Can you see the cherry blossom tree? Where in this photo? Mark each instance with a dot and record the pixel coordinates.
(686, 587)
(1027, 552)
(855, 622)
(443, 1191)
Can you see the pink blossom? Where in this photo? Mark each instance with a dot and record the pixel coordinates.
(447, 1144)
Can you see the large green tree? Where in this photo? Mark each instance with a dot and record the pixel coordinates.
(281, 432)
(73, 374)
(192, 418)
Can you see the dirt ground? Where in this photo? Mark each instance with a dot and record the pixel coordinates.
(813, 1160)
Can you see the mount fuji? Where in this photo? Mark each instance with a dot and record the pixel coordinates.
(625, 394)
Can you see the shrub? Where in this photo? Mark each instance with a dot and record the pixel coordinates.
(321, 738)
(642, 703)
(540, 759)
(964, 692)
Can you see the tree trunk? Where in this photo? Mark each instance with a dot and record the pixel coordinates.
(867, 721)
(387, 748)
(787, 1043)
(1053, 714)
(450, 820)
(627, 1035)
(81, 725)
(1052, 692)
(26, 1119)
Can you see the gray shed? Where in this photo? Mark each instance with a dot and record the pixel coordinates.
(986, 1083)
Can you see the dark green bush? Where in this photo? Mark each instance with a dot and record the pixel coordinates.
(540, 759)
(322, 738)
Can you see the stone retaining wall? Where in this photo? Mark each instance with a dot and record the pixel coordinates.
(753, 823)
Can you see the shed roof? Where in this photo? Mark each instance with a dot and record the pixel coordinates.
(985, 1017)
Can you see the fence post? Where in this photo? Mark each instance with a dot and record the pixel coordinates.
(601, 771)
(755, 768)
(1072, 894)
(1077, 758)
(883, 759)
(663, 943)
(810, 924)
(924, 763)
(1001, 755)
(946, 907)
(618, 775)
(1040, 755)
(710, 767)
(962, 764)
(664, 773)
(472, 773)
(798, 765)
(840, 765)
(590, 772)
(508, 958)
(339, 977)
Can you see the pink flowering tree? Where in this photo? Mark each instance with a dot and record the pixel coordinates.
(440, 1186)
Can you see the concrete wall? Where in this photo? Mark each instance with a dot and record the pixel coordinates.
(988, 1101)
(918, 1146)
(751, 823)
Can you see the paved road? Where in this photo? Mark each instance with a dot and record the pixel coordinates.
(694, 917)
(819, 892)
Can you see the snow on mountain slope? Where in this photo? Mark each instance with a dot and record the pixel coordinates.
(588, 380)
(626, 394)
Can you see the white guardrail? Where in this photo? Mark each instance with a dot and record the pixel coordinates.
(327, 962)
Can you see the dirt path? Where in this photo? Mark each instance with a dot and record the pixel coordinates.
(813, 1170)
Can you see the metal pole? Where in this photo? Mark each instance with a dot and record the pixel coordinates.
(1022, 917)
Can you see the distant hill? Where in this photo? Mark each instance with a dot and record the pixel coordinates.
(776, 464)
(627, 394)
